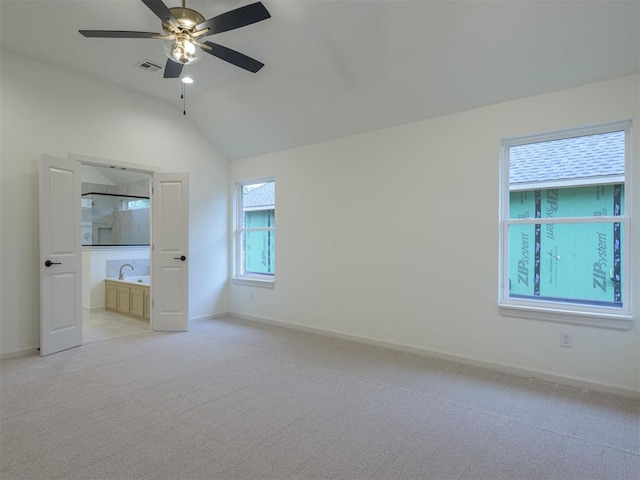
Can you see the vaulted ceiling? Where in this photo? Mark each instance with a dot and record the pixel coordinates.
(334, 68)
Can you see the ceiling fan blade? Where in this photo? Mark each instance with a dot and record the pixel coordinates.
(172, 69)
(117, 34)
(162, 11)
(240, 17)
(236, 58)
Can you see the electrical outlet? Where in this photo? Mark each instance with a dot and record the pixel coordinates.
(566, 339)
(250, 294)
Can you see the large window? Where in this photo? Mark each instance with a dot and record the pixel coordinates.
(565, 225)
(255, 232)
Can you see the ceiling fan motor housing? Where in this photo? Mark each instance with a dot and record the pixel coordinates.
(187, 18)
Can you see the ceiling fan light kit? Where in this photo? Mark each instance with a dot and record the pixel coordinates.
(183, 27)
(182, 50)
(180, 45)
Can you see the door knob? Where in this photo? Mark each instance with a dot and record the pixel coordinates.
(183, 258)
(48, 263)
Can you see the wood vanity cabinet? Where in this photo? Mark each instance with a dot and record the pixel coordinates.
(110, 296)
(147, 304)
(133, 300)
(123, 300)
(136, 302)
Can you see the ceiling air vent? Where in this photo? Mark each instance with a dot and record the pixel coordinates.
(149, 66)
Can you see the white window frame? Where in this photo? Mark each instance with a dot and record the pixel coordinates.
(239, 277)
(564, 312)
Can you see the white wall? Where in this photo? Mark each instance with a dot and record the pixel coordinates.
(393, 236)
(48, 110)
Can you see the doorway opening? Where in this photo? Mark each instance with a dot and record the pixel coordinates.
(116, 255)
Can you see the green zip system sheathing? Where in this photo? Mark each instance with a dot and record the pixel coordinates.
(575, 262)
(260, 246)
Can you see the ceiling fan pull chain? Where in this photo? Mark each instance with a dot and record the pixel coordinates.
(183, 96)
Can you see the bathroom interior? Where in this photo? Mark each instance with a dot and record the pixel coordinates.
(116, 218)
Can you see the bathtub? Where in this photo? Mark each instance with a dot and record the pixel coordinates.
(134, 279)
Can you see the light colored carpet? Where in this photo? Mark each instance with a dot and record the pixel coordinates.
(238, 400)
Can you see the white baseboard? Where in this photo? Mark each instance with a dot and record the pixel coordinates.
(211, 316)
(23, 352)
(476, 362)
(86, 309)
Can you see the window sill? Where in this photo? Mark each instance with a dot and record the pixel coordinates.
(621, 321)
(254, 281)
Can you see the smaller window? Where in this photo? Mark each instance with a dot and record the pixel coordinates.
(136, 204)
(255, 233)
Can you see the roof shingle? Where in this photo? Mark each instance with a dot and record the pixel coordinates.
(587, 156)
(262, 196)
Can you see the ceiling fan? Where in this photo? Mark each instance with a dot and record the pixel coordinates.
(184, 29)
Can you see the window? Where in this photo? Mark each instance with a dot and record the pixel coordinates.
(255, 234)
(565, 226)
(136, 204)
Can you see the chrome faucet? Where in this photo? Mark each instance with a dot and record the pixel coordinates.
(120, 272)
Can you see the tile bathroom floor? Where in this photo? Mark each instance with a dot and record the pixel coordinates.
(103, 324)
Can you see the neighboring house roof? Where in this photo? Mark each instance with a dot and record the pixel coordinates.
(596, 155)
(260, 197)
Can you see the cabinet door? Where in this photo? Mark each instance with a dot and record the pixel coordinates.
(147, 304)
(123, 299)
(110, 296)
(137, 302)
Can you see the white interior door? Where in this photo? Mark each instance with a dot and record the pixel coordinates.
(60, 255)
(169, 256)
